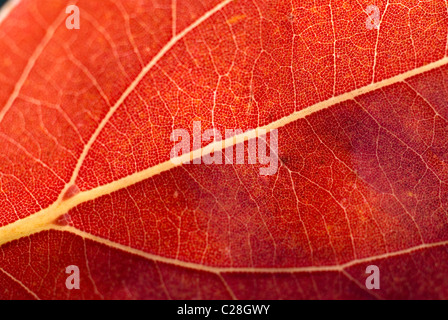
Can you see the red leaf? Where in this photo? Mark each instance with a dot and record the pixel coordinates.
(86, 177)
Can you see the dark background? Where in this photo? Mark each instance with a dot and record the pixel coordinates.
(2, 2)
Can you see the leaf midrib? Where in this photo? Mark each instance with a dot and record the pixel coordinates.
(46, 217)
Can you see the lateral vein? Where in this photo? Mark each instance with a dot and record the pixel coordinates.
(221, 270)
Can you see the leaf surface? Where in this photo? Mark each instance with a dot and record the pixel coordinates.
(86, 177)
